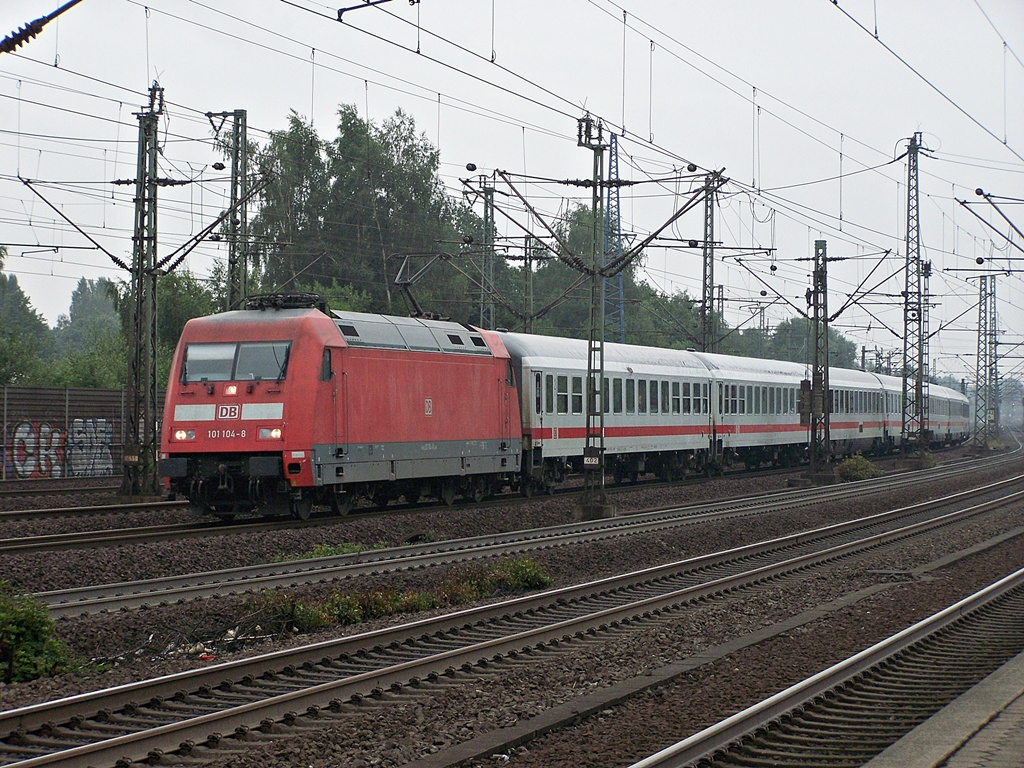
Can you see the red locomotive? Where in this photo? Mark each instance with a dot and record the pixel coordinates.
(279, 407)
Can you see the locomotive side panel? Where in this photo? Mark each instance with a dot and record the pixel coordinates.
(421, 414)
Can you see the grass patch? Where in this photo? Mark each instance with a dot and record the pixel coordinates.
(28, 648)
(282, 613)
(857, 468)
(326, 550)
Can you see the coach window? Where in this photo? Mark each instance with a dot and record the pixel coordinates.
(630, 396)
(686, 398)
(617, 395)
(721, 397)
(641, 396)
(562, 394)
(549, 394)
(654, 397)
(705, 399)
(665, 397)
(538, 388)
(577, 394)
(676, 405)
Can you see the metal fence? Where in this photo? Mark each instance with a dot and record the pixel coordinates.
(52, 432)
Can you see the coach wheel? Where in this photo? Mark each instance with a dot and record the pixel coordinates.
(448, 492)
(302, 508)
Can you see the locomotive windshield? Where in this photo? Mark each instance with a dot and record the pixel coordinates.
(247, 361)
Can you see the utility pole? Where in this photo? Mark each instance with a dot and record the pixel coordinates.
(712, 182)
(238, 222)
(915, 318)
(487, 259)
(528, 280)
(589, 135)
(140, 451)
(986, 371)
(614, 300)
(820, 441)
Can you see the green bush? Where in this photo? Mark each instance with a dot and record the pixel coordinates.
(857, 468)
(28, 648)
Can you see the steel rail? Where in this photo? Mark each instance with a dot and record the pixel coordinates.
(636, 594)
(723, 737)
(95, 539)
(135, 594)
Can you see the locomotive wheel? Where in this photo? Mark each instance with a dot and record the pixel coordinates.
(302, 508)
(480, 490)
(341, 503)
(448, 492)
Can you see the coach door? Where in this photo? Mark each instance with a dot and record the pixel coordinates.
(536, 422)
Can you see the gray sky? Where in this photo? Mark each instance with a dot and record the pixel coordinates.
(800, 102)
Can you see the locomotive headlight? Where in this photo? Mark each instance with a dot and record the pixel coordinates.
(270, 433)
(231, 389)
(184, 434)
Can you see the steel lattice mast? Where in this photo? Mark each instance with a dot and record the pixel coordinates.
(614, 300)
(140, 451)
(820, 439)
(986, 372)
(589, 135)
(915, 317)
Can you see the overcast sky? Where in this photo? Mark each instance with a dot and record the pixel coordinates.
(805, 104)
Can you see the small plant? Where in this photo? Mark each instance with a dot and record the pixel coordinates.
(283, 613)
(857, 468)
(323, 550)
(28, 648)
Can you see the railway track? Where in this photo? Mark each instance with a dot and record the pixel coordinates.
(133, 595)
(121, 536)
(228, 704)
(847, 714)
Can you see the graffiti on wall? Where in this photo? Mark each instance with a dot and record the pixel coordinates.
(40, 450)
(90, 446)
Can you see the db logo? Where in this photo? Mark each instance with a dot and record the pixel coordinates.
(229, 412)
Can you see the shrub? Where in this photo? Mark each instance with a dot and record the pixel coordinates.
(857, 468)
(28, 648)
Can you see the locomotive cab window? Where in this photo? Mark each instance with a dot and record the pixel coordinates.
(249, 361)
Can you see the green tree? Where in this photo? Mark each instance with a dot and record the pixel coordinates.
(337, 213)
(789, 341)
(25, 338)
(89, 341)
